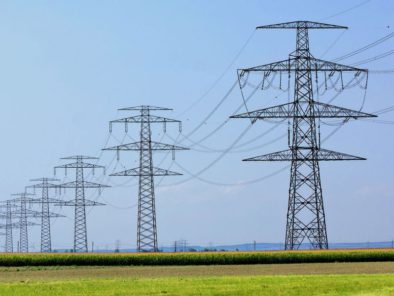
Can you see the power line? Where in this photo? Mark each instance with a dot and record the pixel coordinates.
(375, 58)
(220, 76)
(346, 10)
(214, 161)
(364, 48)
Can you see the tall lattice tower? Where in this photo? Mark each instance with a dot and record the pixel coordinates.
(23, 223)
(305, 214)
(146, 223)
(80, 203)
(9, 243)
(13, 211)
(23, 199)
(45, 185)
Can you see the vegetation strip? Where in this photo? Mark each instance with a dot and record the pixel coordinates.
(208, 258)
(382, 284)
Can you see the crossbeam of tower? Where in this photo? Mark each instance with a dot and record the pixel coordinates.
(80, 203)
(45, 185)
(146, 223)
(305, 215)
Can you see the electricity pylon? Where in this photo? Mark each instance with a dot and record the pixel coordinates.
(305, 214)
(22, 212)
(11, 210)
(45, 185)
(146, 223)
(23, 223)
(9, 243)
(80, 203)
(7, 215)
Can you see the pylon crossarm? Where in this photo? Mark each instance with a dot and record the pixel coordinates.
(22, 199)
(301, 24)
(139, 119)
(294, 64)
(17, 225)
(79, 157)
(87, 203)
(322, 65)
(44, 179)
(305, 155)
(48, 200)
(35, 214)
(45, 185)
(85, 184)
(145, 107)
(22, 195)
(136, 146)
(320, 110)
(76, 165)
(155, 172)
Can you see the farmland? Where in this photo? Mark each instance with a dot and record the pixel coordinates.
(338, 272)
(200, 258)
(227, 285)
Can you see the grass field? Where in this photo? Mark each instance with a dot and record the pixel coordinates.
(336, 278)
(227, 285)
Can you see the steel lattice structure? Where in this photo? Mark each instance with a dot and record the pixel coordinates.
(23, 223)
(8, 226)
(12, 210)
(305, 214)
(45, 185)
(146, 223)
(23, 213)
(9, 243)
(80, 203)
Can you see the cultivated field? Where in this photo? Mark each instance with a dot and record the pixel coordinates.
(196, 258)
(354, 272)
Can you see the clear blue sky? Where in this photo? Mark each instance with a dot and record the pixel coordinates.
(67, 66)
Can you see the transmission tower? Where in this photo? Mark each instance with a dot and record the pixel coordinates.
(80, 203)
(9, 243)
(23, 223)
(305, 214)
(146, 223)
(7, 215)
(12, 210)
(45, 185)
(22, 212)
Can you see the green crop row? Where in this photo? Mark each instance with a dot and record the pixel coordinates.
(206, 258)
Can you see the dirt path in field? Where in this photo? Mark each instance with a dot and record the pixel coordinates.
(13, 274)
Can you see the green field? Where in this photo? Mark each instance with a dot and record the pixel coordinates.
(197, 258)
(225, 285)
(27, 275)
